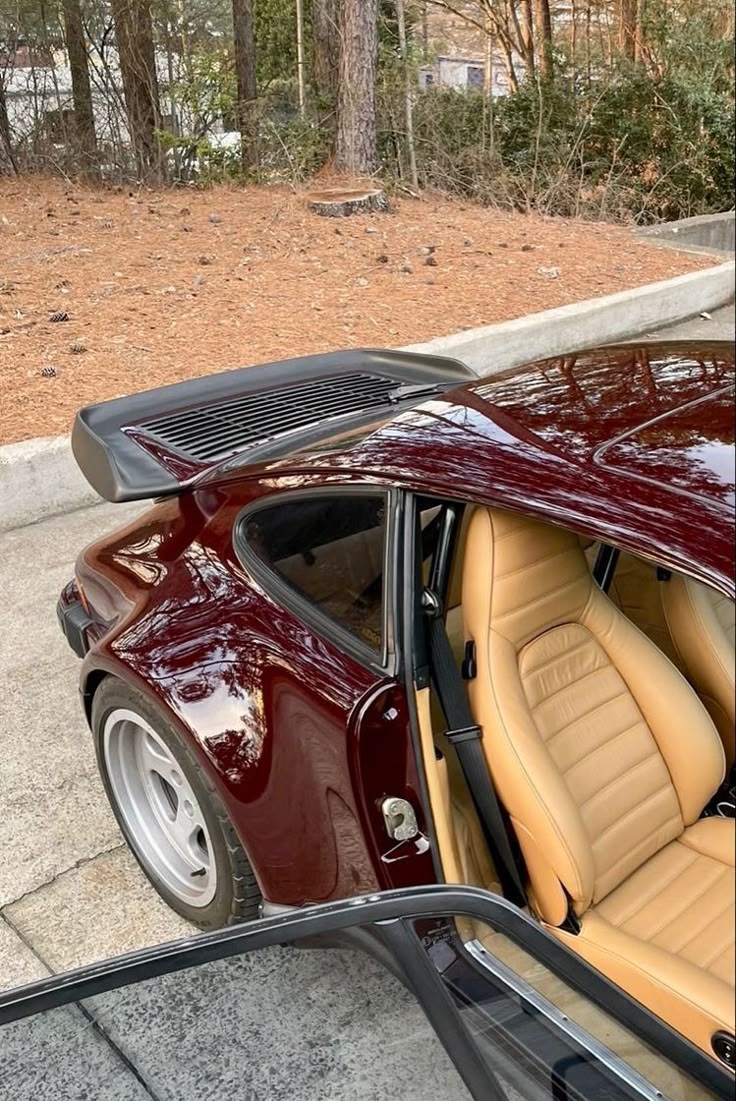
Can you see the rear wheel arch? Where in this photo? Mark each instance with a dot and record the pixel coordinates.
(90, 685)
(238, 897)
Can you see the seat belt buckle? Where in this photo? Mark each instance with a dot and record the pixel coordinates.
(431, 604)
(464, 734)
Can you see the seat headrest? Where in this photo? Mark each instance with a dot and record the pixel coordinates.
(535, 576)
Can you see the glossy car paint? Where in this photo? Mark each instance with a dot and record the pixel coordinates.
(565, 440)
(302, 739)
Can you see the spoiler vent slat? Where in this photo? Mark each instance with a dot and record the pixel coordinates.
(215, 430)
(162, 442)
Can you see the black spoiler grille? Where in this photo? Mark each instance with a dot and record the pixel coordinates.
(193, 426)
(215, 431)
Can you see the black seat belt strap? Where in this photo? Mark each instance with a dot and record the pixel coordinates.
(605, 566)
(465, 737)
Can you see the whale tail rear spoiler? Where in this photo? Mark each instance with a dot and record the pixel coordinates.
(157, 443)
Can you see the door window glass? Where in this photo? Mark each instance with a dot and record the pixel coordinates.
(331, 550)
(538, 1030)
(277, 1025)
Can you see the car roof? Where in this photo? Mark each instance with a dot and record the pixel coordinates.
(632, 444)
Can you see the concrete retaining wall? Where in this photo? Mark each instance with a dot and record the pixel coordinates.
(615, 317)
(39, 478)
(708, 233)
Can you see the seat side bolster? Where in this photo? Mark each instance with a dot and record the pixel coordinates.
(528, 783)
(709, 838)
(705, 648)
(676, 717)
(691, 1000)
(547, 894)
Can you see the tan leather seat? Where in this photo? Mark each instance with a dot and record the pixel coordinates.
(637, 591)
(604, 757)
(702, 624)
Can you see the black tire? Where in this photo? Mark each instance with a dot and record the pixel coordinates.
(237, 897)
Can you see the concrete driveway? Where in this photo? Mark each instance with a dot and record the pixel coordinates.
(282, 1025)
(69, 890)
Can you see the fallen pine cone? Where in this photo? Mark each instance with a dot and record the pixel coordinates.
(59, 315)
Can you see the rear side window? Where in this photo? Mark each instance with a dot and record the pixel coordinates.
(329, 549)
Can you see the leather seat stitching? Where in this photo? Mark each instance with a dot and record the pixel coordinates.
(661, 828)
(586, 715)
(711, 921)
(557, 657)
(715, 955)
(526, 605)
(687, 842)
(662, 984)
(685, 904)
(640, 904)
(567, 687)
(602, 745)
(532, 565)
(503, 535)
(622, 775)
(634, 810)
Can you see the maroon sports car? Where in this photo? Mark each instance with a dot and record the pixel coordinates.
(387, 623)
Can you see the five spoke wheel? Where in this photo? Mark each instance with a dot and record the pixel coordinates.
(163, 816)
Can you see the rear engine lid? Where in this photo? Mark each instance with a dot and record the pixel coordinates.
(156, 443)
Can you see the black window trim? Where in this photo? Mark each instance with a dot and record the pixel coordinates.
(384, 661)
(436, 900)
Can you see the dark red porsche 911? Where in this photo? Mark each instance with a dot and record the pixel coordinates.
(386, 623)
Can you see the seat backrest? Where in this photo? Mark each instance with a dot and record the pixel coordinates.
(702, 623)
(637, 591)
(600, 750)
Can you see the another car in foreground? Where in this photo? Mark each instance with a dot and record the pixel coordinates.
(389, 624)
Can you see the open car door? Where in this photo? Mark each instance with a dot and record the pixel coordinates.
(474, 1000)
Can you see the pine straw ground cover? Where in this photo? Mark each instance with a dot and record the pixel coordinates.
(106, 292)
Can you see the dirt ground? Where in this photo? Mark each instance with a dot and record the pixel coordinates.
(106, 292)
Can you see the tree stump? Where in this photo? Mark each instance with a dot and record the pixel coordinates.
(339, 203)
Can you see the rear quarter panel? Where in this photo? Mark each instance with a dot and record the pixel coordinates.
(229, 666)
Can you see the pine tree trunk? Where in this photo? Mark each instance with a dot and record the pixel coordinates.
(639, 31)
(134, 34)
(8, 163)
(543, 20)
(356, 151)
(527, 37)
(408, 95)
(627, 28)
(81, 89)
(245, 75)
(326, 36)
(301, 83)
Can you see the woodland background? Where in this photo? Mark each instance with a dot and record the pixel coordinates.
(621, 110)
